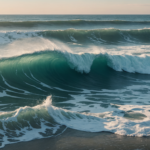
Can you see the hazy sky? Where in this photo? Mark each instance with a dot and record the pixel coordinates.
(74, 6)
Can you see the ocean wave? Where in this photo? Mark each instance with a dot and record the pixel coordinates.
(71, 22)
(129, 63)
(46, 120)
(83, 62)
(87, 75)
(98, 36)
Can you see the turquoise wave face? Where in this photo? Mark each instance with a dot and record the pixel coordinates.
(46, 73)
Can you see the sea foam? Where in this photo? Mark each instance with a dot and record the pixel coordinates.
(113, 121)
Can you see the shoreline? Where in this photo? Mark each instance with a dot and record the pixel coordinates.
(80, 140)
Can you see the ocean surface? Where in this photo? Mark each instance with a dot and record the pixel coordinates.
(85, 72)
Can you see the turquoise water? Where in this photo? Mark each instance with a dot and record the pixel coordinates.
(85, 72)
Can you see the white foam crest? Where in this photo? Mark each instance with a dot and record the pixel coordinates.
(31, 45)
(130, 63)
(7, 37)
(80, 62)
(25, 132)
(119, 62)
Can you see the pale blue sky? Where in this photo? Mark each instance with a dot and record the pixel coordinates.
(74, 6)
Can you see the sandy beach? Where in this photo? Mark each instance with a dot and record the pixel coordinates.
(78, 140)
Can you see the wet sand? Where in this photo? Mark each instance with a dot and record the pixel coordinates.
(78, 140)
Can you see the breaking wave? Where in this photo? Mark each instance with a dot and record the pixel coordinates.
(82, 62)
(46, 120)
(99, 36)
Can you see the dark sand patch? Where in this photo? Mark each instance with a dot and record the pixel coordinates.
(78, 140)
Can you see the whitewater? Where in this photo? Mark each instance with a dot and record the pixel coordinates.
(88, 73)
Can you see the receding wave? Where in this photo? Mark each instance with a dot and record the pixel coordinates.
(47, 121)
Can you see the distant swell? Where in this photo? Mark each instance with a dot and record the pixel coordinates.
(72, 22)
(99, 36)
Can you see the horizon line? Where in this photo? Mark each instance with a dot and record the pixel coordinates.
(74, 14)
